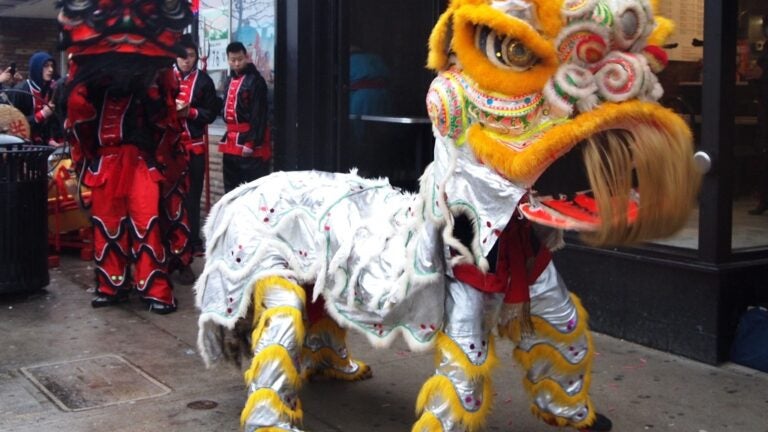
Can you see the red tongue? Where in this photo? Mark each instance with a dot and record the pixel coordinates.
(574, 210)
(580, 214)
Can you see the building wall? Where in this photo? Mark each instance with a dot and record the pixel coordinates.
(216, 175)
(21, 37)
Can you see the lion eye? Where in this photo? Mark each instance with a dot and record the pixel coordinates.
(504, 51)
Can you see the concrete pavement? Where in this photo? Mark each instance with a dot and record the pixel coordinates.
(57, 332)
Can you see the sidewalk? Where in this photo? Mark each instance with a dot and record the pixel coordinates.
(638, 388)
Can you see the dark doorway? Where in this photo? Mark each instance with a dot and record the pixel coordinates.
(350, 84)
(388, 133)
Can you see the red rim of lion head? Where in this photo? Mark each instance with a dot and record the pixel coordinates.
(145, 27)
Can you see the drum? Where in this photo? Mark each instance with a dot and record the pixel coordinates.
(13, 122)
(66, 205)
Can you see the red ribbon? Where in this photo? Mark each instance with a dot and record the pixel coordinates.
(517, 266)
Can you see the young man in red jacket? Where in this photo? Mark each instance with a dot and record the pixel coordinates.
(197, 106)
(246, 155)
(33, 97)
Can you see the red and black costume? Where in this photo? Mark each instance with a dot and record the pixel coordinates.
(121, 122)
(245, 113)
(196, 90)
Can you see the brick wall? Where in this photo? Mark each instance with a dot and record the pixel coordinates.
(214, 169)
(21, 37)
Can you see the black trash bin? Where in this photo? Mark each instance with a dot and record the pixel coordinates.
(23, 216)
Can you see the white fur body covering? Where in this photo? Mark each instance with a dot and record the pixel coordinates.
(376, 254)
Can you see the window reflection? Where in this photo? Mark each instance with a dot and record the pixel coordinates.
(750, 170)
(388, 133)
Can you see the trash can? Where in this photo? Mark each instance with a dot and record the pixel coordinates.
(23, 215)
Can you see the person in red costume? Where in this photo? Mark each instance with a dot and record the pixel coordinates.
(197, 106)
(124, 178)
(246, 148)
(124, 131)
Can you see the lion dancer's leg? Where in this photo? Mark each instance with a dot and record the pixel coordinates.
(325, 353)
(150, 275)
(458, 397)
(111, 249)
(177, 230)
(274, 377)
(557, 357)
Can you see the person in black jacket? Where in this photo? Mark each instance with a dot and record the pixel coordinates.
(246, 148)
(33, 96)
(197, 106)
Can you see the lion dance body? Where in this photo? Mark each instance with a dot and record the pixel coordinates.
(121, 121)
(520, 84)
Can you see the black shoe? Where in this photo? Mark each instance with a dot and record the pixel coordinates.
(198, 251)
(161, 308)
(186, 276)
(601, 424)
(104, 300)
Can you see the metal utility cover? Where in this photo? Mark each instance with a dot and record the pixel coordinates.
(95, 382)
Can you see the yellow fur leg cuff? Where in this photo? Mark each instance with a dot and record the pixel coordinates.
(270, 354)
(363, 372)
(553, 356)
(563, 422)
(559, 396)
(295, 314)
(269, 399)
(545, 330)
(446, 346)
(441, 387)
(273, 282)
(427, 423)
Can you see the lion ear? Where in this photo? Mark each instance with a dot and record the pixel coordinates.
(660, 34)
(440, 42)
(664, 26)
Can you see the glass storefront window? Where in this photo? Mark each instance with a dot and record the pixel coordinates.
(388, 132)
(750, 167)
(682, 82)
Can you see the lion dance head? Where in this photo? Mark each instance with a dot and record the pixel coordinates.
(524, 83)
(127, 48)
(121, 42)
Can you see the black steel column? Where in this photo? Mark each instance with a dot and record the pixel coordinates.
(717, 129)
(307, 83)
(285, 129)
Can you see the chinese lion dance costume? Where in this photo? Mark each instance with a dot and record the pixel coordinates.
(520, 85)
(121, 121)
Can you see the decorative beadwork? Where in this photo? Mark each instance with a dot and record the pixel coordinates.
(444, 105)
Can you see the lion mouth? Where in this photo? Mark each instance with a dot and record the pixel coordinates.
(563, 196)
(641, 181)
(619, 186)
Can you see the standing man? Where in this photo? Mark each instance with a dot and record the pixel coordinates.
(246, 154)
(33, 96)
(197, 106)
